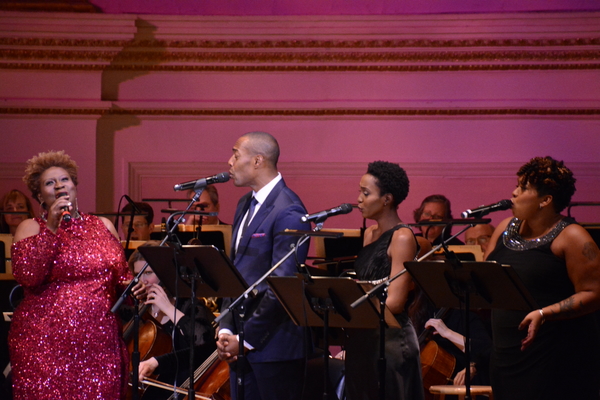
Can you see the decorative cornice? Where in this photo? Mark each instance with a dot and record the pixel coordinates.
(300, 68)
(303, 112)
(126, 60)
(299, 44)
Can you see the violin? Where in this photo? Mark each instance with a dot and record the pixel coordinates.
(437, 364)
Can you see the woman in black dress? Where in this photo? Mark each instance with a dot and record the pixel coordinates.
(551, 352)
(387, 245)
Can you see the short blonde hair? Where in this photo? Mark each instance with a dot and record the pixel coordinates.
(40, 163)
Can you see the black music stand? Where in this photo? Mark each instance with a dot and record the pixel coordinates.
(325, 302)
(194, 271)
(476, 285)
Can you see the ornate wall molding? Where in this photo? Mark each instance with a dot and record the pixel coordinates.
(11, 170)
(299, 44)
(401, 43)
(306, 112)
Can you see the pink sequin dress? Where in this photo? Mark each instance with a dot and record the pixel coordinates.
(64, 341)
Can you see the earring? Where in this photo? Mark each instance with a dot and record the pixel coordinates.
(540, 206)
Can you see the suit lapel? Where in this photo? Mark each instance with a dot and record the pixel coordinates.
(238, 219)
(260, 215)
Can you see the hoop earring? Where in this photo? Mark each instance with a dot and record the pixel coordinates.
(42, 209)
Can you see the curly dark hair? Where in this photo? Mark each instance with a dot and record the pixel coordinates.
(40, 163)
(391, 178)
(549, 177)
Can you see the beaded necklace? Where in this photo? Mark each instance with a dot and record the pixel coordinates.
(513, 240)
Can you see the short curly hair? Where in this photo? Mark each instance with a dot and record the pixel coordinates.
(40, 163)
(549, 177)
(391, 178)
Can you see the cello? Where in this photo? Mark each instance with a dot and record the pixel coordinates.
(437, 364)
(153, 341)
(211, 381)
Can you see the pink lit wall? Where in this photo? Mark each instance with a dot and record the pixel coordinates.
(460, 101)
(336, 7)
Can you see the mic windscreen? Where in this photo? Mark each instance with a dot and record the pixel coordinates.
(222, 177)
(345, 208)
(504, 204)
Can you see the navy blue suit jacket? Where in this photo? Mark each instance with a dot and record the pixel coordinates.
(267, 326)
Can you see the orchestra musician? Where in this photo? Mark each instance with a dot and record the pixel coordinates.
(172, 318)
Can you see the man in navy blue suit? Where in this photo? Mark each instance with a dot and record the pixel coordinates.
(275, 348)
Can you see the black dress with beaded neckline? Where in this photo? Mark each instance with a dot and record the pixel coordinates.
(563, 361)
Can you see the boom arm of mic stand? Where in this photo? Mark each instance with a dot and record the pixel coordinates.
(376, 289)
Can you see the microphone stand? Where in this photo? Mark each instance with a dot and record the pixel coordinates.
(135, 355)
(238, 304)
(381, 291)
(130, 228)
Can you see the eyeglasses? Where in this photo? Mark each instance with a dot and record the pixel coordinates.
(427, 216)
(483, 239)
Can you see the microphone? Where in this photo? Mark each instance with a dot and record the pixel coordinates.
(323, 215)
(202, 183)
(66, 214)
(485, 210)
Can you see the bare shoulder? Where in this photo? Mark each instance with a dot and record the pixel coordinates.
(404, 236)
(27, 228)
(368, 237)
(574, 238)
(497, 233)
(109, 225)
(502, 225)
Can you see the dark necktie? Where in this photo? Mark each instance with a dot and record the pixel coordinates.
(253, 204)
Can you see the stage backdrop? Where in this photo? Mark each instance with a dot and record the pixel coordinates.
(142, 102)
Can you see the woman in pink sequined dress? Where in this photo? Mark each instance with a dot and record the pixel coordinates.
(64, 341)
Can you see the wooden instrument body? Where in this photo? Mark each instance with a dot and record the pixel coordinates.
(437, 366)
(153, 341)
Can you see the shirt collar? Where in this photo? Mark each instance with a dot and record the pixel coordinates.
(264, 192)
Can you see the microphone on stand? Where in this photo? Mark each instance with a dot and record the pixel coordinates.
(323, 215)
(66, 214)
(485, 210)
(202, 183)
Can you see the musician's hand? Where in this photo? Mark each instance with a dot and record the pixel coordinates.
(158, 297)
(139, 291)
(459, 379)
(438, 326)
(147, 367)
(228, 347)
(441, 329)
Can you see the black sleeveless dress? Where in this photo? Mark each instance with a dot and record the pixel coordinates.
(403, 372)
(562, 362)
